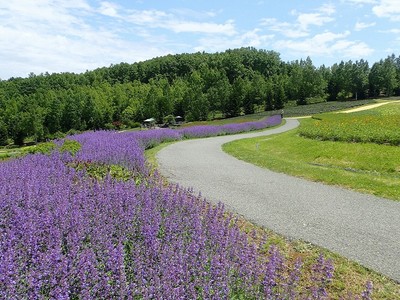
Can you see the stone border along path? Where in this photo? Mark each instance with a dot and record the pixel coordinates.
(361, 227)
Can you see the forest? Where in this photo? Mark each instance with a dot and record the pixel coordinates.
(198, 86)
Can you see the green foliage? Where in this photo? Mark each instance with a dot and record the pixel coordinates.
(380, 126)
(382, 77)
(44, 148)
(101, 171)
(348, 80)
(195, 86)
(3, 133)
(70, 146)
(170, 120)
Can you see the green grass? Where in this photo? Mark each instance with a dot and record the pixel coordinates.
(380, 125)
(365, 167)
(151, 153)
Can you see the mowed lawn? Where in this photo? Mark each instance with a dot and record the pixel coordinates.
(332, 155)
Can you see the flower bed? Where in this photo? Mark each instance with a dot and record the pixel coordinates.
(67, 235)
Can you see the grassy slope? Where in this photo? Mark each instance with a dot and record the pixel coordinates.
(368, 168)
(365, 167)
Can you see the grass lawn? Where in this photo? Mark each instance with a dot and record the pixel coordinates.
(365, 167)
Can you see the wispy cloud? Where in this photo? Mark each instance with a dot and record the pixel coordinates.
(301, 27)
(361, 25)
(168, 21)
(108, 9)
(252, 38)
(362, 2)
(326, 44)
(287, 29)
(177, 26)
(388, 9)
(56, 36)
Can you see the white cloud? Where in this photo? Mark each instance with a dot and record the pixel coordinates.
(362, 2)
(160, 19)
(328, 9)
(361, 25)
(287, 29)
(316, 19)
(194, 14)
(57, 36)
(109, 9)
(251, 38)
(388, 9)
(395, 31)
(227, 28)
(147, 17)
(60, 36)
(327, 44)
(301, 27)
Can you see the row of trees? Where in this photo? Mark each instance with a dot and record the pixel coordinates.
(195, 86)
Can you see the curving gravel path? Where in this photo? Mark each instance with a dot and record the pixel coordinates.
(361, 227)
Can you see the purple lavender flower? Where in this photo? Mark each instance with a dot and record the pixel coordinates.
(66, 235)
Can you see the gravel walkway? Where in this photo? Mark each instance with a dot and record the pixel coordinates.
(361, 227)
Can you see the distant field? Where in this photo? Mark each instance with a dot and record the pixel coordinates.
(380, 125)
(292, 111)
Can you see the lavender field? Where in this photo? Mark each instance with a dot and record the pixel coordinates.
(66, 234)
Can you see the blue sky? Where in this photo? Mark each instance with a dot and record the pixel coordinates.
(77, 35)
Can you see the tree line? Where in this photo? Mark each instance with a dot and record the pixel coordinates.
(195, 86)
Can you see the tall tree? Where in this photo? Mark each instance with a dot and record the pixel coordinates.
(196, 104)
(306, 81)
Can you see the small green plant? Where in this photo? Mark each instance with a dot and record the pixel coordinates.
(70, 146)
(44, 148)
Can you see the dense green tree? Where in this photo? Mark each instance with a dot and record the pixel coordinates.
(359, 79)
(196, 104)
(232, 107)
(382, 78)
(150, 105)
(269, 95)
(307, 82)
(256, 93)
(178, 91)
(397, 65)
(164, 103)
(280, 96)
(3, 133)
(195, 86)
(71, 117)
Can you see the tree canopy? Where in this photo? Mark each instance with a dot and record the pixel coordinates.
(195, 86)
